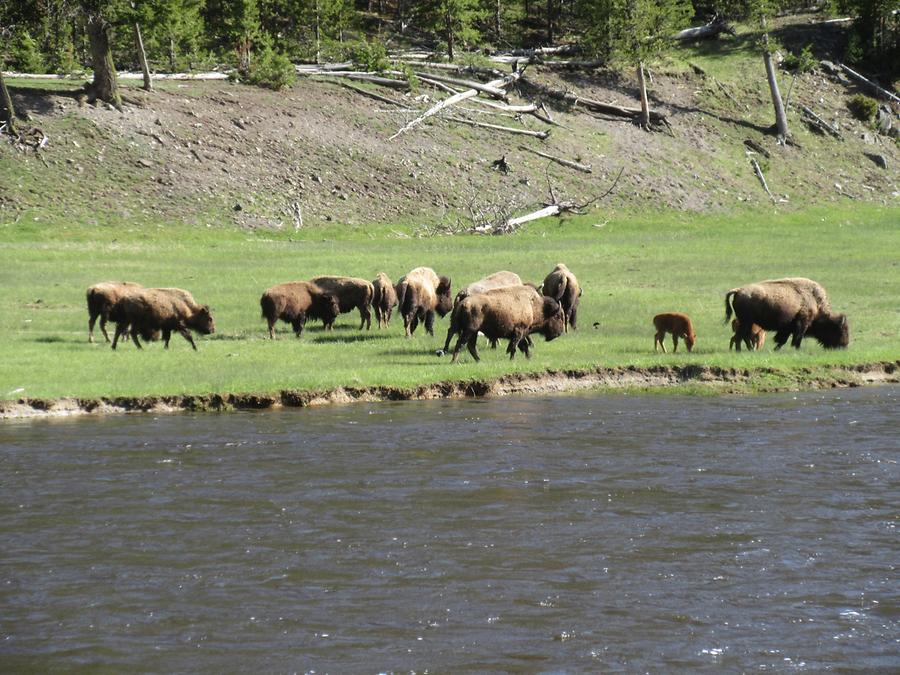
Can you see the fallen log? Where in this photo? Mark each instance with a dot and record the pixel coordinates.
(512, 130)
(360, 76)
(594, 106)
(884, 92)
(558, 208)
(710, 30)
(818, 123)
(372, 94)
(762, 179)
(756, 147)
(584, 168)
(488, 88)
(527, 108)
(433, 110)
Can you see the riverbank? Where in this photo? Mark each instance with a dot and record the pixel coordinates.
(679, 379)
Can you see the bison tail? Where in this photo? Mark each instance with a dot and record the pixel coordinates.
(406, 300)
(267, 305)
(729, 294)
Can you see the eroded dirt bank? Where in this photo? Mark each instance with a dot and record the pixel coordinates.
(717, 379)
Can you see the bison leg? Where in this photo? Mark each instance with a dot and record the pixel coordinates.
(413, 324)
(574, 317)
(167, 335)
(365, 317)
(450, 332)
(781, 338)
(472, 344)
(674, 342)
(134, 337)
(298, 323)
(91, 321)
(429, 322)
(186, 334)
(271, 323)
(120, 330)
(458, 347)
(658, 341)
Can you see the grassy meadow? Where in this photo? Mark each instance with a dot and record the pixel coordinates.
(631, 267)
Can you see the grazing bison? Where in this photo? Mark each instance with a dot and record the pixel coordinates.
(794, 307)
(562, 286)
(101, 299)
(509, 313)
(384, 299)
(295, 302)
(350, 292)
(757, 336)
(679, 325)
(421, 293)
(500, 279)
(150, 310)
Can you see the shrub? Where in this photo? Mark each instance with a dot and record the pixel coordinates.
(804, 62)
(370, 56)
(25, 54)
(863, 107)
(272, 70)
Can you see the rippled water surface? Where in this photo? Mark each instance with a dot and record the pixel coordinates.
(576, 534)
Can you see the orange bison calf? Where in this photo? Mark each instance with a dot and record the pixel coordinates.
(102, 299)
(151, 310)
(754, 342)
(679, 325)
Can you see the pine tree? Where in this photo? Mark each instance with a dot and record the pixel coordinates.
(454, 20)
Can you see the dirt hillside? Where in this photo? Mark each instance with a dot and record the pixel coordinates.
(213, 152)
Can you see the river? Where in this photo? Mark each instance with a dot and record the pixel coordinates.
(591, 533)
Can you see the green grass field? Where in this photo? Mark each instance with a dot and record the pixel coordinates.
(631, 267)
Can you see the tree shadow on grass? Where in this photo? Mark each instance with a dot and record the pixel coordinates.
(37, 100)
(359, 337)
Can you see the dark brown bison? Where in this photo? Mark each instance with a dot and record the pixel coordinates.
(150, 310)
(757, 336)
(384, 299)
(295, 302)
(350, 292)
(511, 313)
(676, 323)
(500, 279)
(101, 299)
(793, 307)
(421, 293)
(562, 286)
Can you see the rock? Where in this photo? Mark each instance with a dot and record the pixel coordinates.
(867, 139)
(884, 121)
(880, 160)
(238, 207)
(145, 163)
(829, 67)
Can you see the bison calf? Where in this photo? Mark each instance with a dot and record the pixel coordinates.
(757, 336)
(102, 299)
(350, 292)
(295, 302)
(562, 286)
(169, 310)
(384, 299)
(676, 323)
(506, 313)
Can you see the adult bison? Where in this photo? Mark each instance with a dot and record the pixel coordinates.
(350, 292)
(102, 299)
(794, 307)
(421, 293)
(384, 299)
(511, 313)
(563, 286)
(500, 279)
(296, 301)
(150, 310)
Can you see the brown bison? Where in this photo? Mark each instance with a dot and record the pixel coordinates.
(295, 302)
(511, 313)
(384, 299)
(793, 307)
(679, 325)
(150, 310)
(757, 336)
(500, 279)
(421, 293)
(101, 299)
(350, 292)
(562, 286)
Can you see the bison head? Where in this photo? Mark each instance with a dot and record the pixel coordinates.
(202, 321)
(831, 331)
(444, 296)
(554, 319)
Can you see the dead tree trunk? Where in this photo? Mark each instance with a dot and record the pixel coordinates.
(105, 85)
(780, 116)
(644, 119)
(172, 65)
(7, 113)
(142, 56)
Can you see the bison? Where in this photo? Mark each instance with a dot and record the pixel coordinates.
(500, 279)
(562, 286)
(295, 302)
(794, 307)
(506, 313)
(150, 310)
(101, 300)
(384, 299)
(350, 292)
(421, 293)
(679, 325)
(757, 336)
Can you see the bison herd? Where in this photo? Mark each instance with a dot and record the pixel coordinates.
(500, 306)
